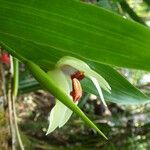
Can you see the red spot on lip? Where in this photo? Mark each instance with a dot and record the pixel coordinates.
(5, 58)
(76, 86)
(76, 90)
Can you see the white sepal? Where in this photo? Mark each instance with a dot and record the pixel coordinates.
(55, 116)
(96, 83)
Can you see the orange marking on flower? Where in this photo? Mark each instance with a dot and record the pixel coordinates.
(78, 75)
(76, 90)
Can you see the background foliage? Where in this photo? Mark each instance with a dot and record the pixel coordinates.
(47, 30)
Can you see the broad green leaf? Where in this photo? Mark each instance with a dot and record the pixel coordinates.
(44, 31)
(77, 28)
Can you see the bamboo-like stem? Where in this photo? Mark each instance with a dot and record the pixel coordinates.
(12, 130)
(13, 84)
(14, 95)
(16, 124)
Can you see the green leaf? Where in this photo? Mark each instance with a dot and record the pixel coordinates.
(76, 28)
(44, 31)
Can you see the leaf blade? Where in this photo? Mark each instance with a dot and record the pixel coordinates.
(118, 41)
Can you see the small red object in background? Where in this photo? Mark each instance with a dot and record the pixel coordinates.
(78, 75)
(5, 58)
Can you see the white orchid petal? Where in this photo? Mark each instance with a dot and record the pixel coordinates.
(66, 116)
(55, 116)
(102, 82)
(95, 82)
(73, 62)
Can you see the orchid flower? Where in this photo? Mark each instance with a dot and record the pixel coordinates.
(67, 74)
